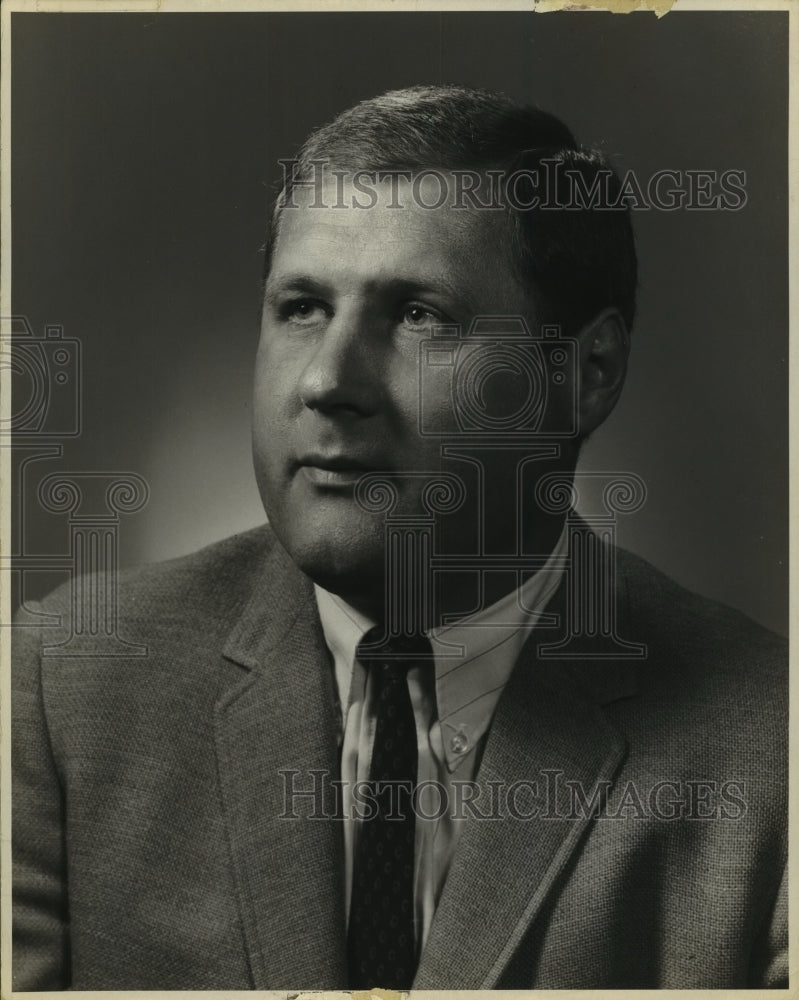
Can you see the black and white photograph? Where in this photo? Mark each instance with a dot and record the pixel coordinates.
(395, 507)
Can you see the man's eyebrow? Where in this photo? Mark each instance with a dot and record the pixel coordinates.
(296, 283)
(421, 286)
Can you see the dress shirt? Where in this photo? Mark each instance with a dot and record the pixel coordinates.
(453, 706)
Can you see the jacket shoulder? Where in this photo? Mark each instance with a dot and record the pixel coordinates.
(671, 613)
(702, 655)
(177, 613)
(170, 622)
(219, 575)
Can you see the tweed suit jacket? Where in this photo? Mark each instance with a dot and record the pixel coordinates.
(152, 848)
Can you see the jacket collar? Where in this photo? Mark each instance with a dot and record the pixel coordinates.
(549, 735)
(276, 738)
(276, 731)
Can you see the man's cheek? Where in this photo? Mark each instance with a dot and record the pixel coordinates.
(434, 413)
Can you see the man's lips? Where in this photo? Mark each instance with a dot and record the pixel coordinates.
(335, 470)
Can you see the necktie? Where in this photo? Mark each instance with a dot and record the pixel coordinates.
(382, 939)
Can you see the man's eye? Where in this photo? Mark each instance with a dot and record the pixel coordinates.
(418, 316)
(302, 311)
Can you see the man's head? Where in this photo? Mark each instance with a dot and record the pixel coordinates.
(577, 262)
(406, 213)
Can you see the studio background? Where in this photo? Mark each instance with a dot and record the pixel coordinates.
(144, 157)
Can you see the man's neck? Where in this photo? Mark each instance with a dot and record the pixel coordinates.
(459, 593)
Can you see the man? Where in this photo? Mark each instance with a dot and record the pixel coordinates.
(428, 729)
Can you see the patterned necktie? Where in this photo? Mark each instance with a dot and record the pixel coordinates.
(382, 941)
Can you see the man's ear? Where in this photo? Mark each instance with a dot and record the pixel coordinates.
(604, 346)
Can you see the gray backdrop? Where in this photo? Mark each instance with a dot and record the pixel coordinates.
(144, 151)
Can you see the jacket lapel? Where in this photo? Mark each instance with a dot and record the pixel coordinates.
(549, 728)
(276, 730)
(276, 734)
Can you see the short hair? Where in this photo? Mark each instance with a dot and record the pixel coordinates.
(578, 259)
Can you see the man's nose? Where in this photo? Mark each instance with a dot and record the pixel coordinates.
(343, 374)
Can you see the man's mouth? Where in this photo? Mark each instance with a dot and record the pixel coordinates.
(333, 471)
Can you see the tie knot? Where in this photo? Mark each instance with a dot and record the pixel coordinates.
(401, 651)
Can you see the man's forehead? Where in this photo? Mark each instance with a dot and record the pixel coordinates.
(358, 197)
(432, 188)
(392, 225)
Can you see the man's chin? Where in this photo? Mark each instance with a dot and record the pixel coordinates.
(345, 563)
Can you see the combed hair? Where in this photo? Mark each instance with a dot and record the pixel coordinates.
(577, 261)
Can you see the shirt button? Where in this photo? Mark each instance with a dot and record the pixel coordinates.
(459, 743)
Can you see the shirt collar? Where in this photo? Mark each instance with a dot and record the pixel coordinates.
(474, 657)
(343, 628)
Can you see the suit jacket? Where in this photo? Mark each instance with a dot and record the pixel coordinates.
(152, 846)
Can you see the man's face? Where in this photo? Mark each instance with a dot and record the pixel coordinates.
(351, 295)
